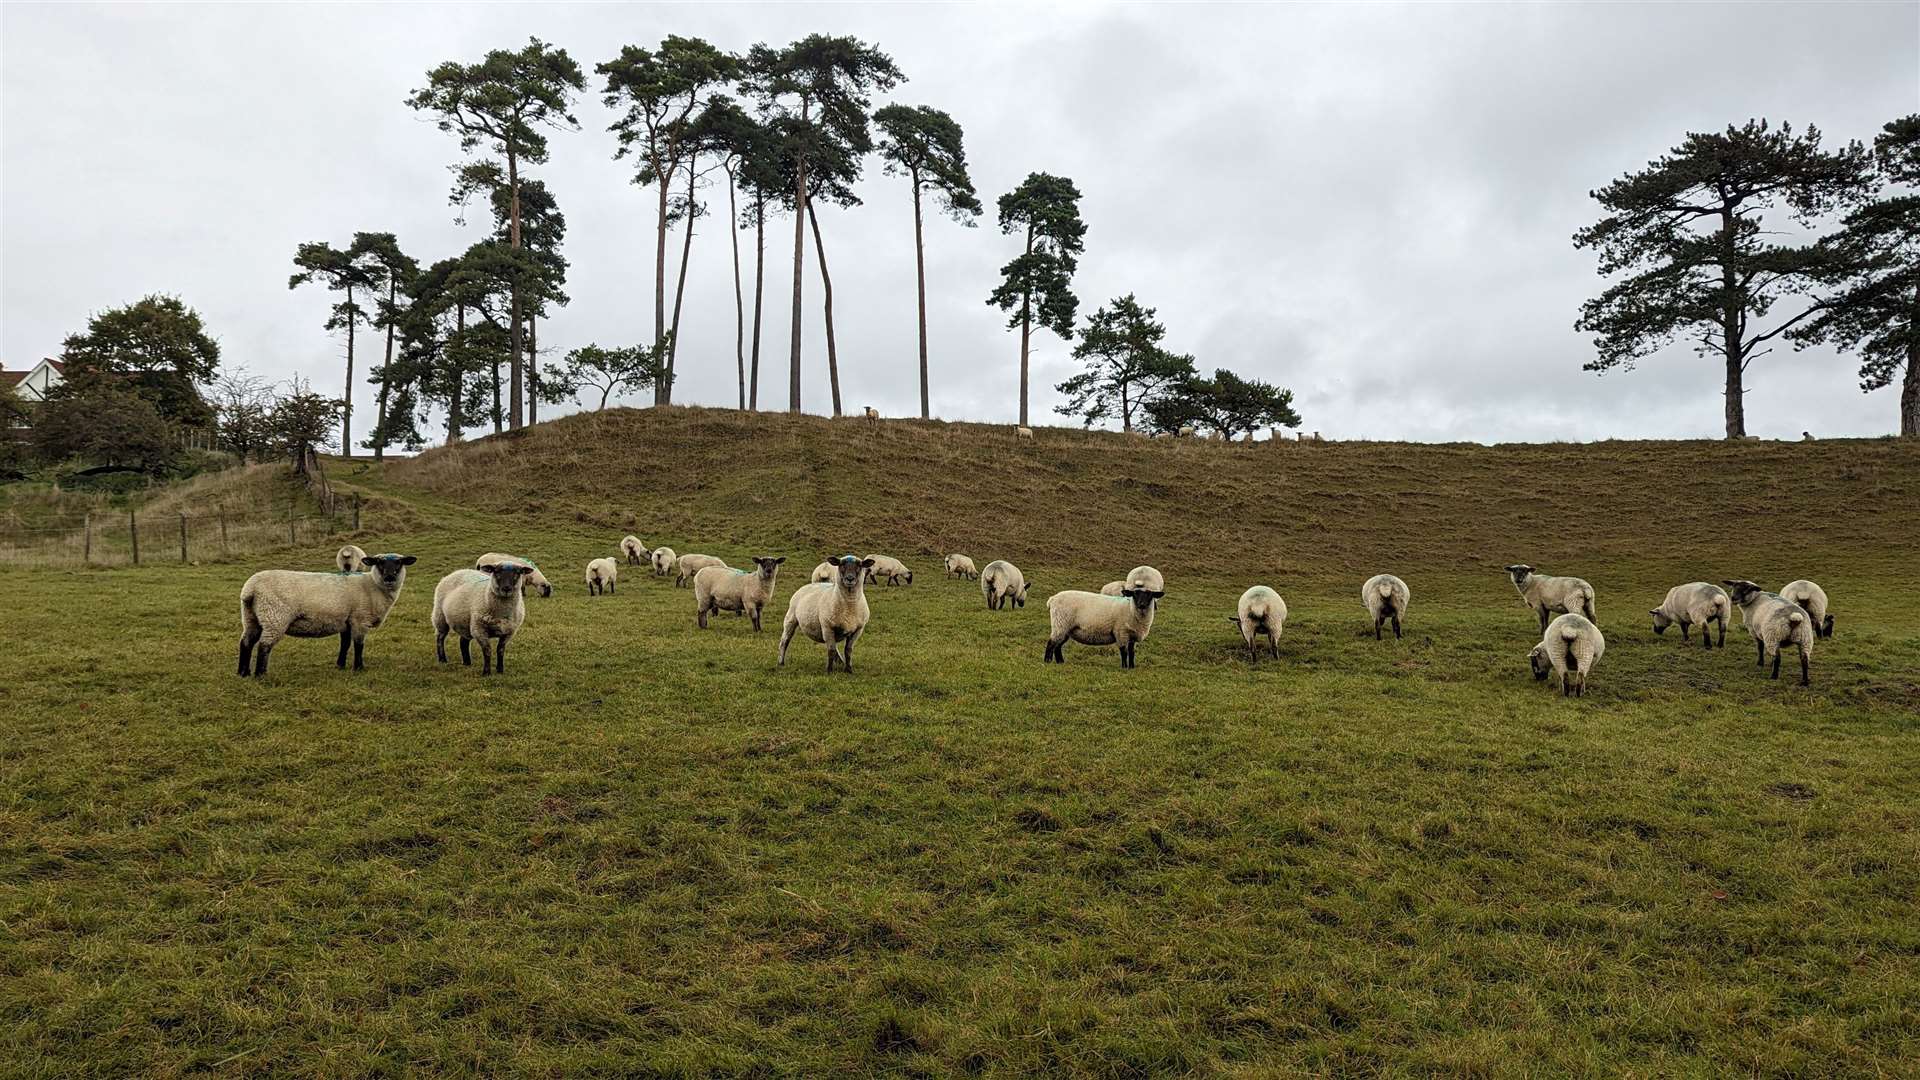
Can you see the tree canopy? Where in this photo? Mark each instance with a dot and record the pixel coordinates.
(158, 346)
(1127, 367)
(1226, 403)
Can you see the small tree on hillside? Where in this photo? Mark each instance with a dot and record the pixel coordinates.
(242, 403)
(345, 271)
(1038, 285)
(610, 371)
(925, 145)
(300, 423)
(158, 347)
(1127, 368)
(396, 270)
(1226, 403)
(1688, 232)
(1873, 301)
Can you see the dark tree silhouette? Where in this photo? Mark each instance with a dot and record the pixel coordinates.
(1038, 284)
(925, 145)
(1127, 368)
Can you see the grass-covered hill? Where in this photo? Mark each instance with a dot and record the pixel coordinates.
(647, 851)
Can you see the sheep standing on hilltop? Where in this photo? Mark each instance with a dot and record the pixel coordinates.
(1774, 620)
(834, 613)
(298, 603)
(663, 559)
(1386, 598)
(601, 576)
(1813, 600)
(635, 551)
(961, 566)
(1261, 612)
(535, 579)
(1093, 619)
(349, 559)
(722, 588)
(1695, 602)
(1547, 595)
(1002, 581)
(1569, 648)
(487, 605)
(688, 565)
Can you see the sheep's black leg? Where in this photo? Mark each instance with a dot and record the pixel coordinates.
(1377, 622)
(1543, 620)
(1776, 663)
(466, 651)
(500, 658)
(756, 620)
(1686, 629)
(701, 618)
(260, 661)
(1804, 681)
(247, 641)
(1761, 648)
(1396, 632)
(440, 646)
(359, 650)
(846, 653)
(486, 656)
(346, 639)
(1722, 620)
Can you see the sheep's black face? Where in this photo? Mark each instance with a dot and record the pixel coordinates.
(506, 576)
(1660, 621)
(1537, 659)
(1741, 591)
(849, 570)
(768, 566)
(1142, 598)
(1519, 572)
(390, 568)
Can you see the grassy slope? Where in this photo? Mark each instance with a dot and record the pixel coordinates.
(647, 846)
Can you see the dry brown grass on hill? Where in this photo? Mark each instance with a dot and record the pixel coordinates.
(1075, 497)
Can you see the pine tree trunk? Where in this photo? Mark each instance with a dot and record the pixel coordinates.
(799, 264)
(680, 289)
(759, 294)
(1126, 409)
(920, 283)
(514, 374)
(533, 370)
(739, 297)
(456, 396)
(1910, 395)
(386, 379)
(826, 289)
(662, 393)
(1026, 334)
(346, 414)
(1731, 331)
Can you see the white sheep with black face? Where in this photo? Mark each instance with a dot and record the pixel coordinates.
(690, 564)
(1002, 582)
(960, 566)
(488, 605)
(1546, 594)
(889, 569)
(305, 604)
(722, 588)
(536, 580)
(602, 575)
(1813, 600)
(1773, 621)
(349, 559)
(834, 613)
(1261, 611)
(663, 560)
(635, 551)
(1386, 598)
(1569, 648)
(1695, 602)
(1094, 619)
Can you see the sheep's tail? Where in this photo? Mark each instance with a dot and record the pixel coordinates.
(1796, 617)
(1570, 633)
(1720, 604)
(1386, 590)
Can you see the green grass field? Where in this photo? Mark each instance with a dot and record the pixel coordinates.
(647, 851)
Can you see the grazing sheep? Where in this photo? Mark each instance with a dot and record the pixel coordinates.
(722, 588)
(830, 612)
(1023, 432)
(535, 580)
(1569, 648)
(1813, 600)
(487, 604)
(601, 575)
(825, 571)
(635, 551)
(1546, 595)
(1140, 577)
(1773, 619)
(961, 566)
(296, 603)
(1002, 581)
(688, 565)
(1093, 619)
(1695, 602)
(663, 560)
(350, 559)
(1386, 598)
(888, 567)
(1261, 611)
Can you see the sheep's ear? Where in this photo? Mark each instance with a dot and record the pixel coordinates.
(408, 560)
(368, 560)
(1653, 611)
(777, 561)
(1158, 595)
(1234, 619)
(486, 568)
(866, 562)
(1128, 592)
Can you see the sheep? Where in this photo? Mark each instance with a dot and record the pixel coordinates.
(825, 571)
(1773, 619)
(1386, 598)
(488, 603)
(1023, 432)
(1546, 595)
(296, 603)
(535, 580)
(688, 565)
(663, 560)
(601, 575)
(350, 559)
(1002, 581)
(960, 566)
(1569, 648)
(830, 612)
(722, 588)
(635, 551)
(1093, 619)
(1261, 610)
(888, 567)
(1813, 600)
(1695, 602)
(1140, 577)
(873, 413)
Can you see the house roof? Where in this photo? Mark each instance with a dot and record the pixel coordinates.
(12, 378)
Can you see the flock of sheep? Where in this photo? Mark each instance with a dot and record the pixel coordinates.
(487, 604)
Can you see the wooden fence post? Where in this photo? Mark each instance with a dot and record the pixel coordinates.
(86, 551)
(223, 532)
(133, 533)
(183, 537)
(291, 540)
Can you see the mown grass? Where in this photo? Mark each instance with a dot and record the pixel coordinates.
(646, 851)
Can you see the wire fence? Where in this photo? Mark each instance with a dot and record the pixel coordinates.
(142, 537)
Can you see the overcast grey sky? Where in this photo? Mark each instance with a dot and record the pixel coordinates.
(1369, 204)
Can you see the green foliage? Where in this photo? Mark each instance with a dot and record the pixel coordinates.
(1226, 403)
(825, 81)
(1046, 210)
(342, 270)
(13, 408)
(301, 422)
(243, 404)
(102, 420)
(505, 103)
(1127, 368)
(157, 346)
(660, 93)
(1872, 304)
(925, 145)
(610, 371)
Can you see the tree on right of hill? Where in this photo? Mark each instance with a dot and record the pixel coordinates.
(1127, 368)
(1226, 404)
